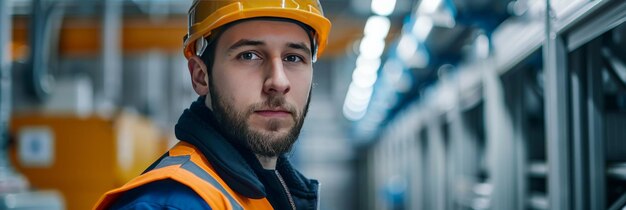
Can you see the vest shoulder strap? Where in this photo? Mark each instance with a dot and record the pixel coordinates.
(182, 169)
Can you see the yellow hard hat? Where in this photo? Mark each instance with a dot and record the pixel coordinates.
(208, 15)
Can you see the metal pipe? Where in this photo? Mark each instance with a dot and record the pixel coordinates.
(10, 181)
(111, 52)
(5, 80)
(40, 27)
(556, 115)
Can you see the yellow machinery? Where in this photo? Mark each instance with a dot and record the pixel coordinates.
(83, 157)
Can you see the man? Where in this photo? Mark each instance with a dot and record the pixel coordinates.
(251, 64)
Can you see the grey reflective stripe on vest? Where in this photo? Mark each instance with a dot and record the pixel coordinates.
(190, 166)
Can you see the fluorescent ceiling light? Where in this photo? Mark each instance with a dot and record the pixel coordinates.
(428, 6)
(352, 115)
(359, 93)
(383, 7)
(372, 47)
(355, 106)
(372, 63)
(368, 66)
(377, 26)
(406, 47)
(364, 79)
(422, 28)
(356, 102)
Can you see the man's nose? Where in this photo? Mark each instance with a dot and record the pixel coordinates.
(276, 81)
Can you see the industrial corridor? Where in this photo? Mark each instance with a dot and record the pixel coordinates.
(313, 104)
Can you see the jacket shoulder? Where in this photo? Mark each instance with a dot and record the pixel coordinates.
(162, 194)
(183, 168)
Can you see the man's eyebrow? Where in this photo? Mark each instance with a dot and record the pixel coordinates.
(299, 46)
(245, 42)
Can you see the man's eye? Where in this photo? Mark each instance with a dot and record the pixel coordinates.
(248, 56)
(293, 58)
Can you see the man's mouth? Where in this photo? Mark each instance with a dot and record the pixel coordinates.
(273, 113)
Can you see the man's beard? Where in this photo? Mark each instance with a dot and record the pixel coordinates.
(234, 125)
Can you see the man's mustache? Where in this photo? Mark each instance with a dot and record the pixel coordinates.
(275, 102)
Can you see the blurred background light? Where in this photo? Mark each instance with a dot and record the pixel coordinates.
(372, 47)
(407, 46)
(377, 27)
(383, 7)
(422, 28)
(429, 6)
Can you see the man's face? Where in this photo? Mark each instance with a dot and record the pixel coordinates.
(260, 83)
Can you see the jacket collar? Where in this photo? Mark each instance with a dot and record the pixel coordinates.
(235, 164)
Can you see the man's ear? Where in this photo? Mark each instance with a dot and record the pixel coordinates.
(199, 75)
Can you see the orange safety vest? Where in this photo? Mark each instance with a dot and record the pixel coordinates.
(186, 165)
